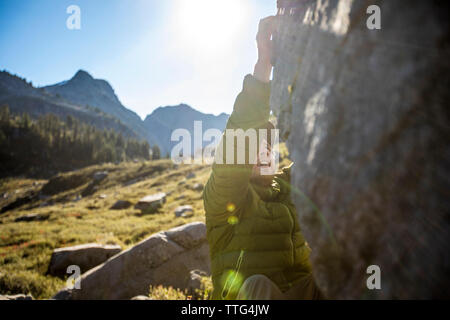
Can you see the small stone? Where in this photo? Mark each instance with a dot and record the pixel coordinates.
(32, 217)
(121, 204)
(99, 176)
(183, 211)
(190, 175)
(130, 182)
(141, 298)
(197, 187)
(43, 197)
(151, 203)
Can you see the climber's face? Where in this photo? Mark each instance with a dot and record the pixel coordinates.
(264, 169)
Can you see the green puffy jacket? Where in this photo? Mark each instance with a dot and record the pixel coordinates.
(252, 229)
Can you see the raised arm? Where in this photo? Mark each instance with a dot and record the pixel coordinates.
(227, 186)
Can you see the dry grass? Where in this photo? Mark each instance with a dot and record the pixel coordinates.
(169, 293)
(26, 247)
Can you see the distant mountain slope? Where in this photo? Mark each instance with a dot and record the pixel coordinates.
(22, 97)
(164, 120)
(93, 101)
(84, 90)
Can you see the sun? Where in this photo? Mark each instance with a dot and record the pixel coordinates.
(209, 25)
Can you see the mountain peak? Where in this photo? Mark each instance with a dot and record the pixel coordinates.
(82, 75)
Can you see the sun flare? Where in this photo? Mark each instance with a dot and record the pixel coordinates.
(209, 25)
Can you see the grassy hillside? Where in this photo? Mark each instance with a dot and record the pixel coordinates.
(26, 247)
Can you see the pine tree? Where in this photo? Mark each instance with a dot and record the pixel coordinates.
(156, 152)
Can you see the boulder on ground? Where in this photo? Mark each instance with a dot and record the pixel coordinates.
(121, 204)
(165, 258)
(32, 217)
(151, 203)
(99, 176)
(190, 175)
(85, 256)
(16, 297)
(184, 211)
(197, 187)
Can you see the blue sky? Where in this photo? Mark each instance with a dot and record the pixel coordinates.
(153, 52)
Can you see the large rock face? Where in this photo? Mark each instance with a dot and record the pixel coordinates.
(366, 118)
(165, 258)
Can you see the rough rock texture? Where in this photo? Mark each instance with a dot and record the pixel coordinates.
(367, 122)
(86, 256)
(165, 258)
